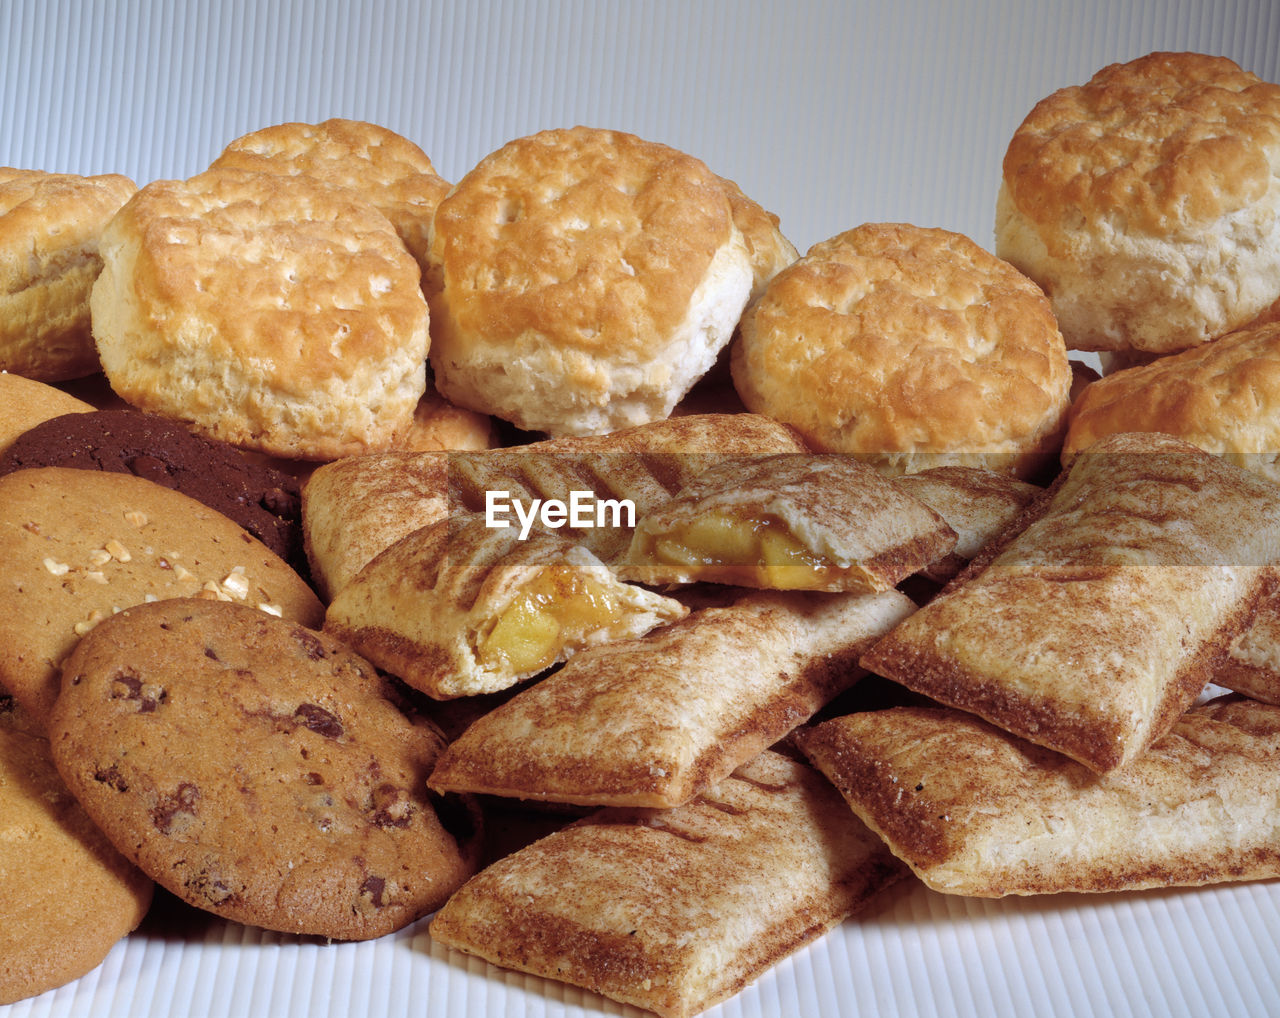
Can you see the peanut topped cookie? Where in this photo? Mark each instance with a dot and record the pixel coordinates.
(589, 278)
(279, 314)
(257, 770)
(78, 545)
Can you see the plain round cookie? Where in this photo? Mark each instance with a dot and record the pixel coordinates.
(49, 229)
(1146, 202)
(385, 167)
(79, 545)
(66, 894)
(279, 314)
(589, 278)
(1223, 397)
(24, 403)
(256, 769)
(911, 347)
(265, 501)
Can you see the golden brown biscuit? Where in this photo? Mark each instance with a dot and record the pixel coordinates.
(460, 608)
(439, 425)
(1096, 626)
(653, 721)
(676, 910)
(911, 348)
(1223, 397)
(49, 229)
(24, 403)
(788, 522)
(770, 251)
(589, 279)
(279, 314)
(1146, 202)
(976, 811)
(66, 894)
(78, 545)
(389, 170)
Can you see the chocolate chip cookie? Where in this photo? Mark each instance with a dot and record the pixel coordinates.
(259, 770)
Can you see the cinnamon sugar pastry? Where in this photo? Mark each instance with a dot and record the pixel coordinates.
(676, 910)
(784, 522)
(459, 608)
(654, 720)
(976, 811)
(1095, 627)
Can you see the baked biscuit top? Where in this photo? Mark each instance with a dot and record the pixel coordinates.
(904, 340)
(596, 237)
(1172, 140)
(54, 210)
(304, 279)
(385, 167)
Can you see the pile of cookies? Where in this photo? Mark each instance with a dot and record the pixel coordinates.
(343, 509)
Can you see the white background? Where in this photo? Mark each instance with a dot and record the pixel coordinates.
(830, 114)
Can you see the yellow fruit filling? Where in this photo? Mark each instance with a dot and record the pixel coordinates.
(744, 550)
(559, 608)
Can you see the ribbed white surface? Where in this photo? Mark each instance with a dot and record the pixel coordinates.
(1192, 953)
(830, 113)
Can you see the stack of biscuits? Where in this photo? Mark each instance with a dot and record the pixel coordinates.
(344, 510)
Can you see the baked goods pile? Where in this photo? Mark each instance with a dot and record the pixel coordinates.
(412, 505)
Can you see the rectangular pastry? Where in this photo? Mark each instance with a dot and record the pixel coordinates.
(654, 720)
(674, 911)
(459, 609)
(976, 811)
(788, 522)
(1095, 627)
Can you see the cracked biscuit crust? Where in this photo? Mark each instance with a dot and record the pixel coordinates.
(279, 314)
(257, 769)
(910, 347)
(386, 168)
(1146, 202)
(589, 278)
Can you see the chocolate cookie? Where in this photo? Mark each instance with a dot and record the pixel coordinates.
(66, 895)
(263, 500)
(259, 770)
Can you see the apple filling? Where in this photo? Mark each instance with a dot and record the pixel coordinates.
(740, 549)
(559, 608)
